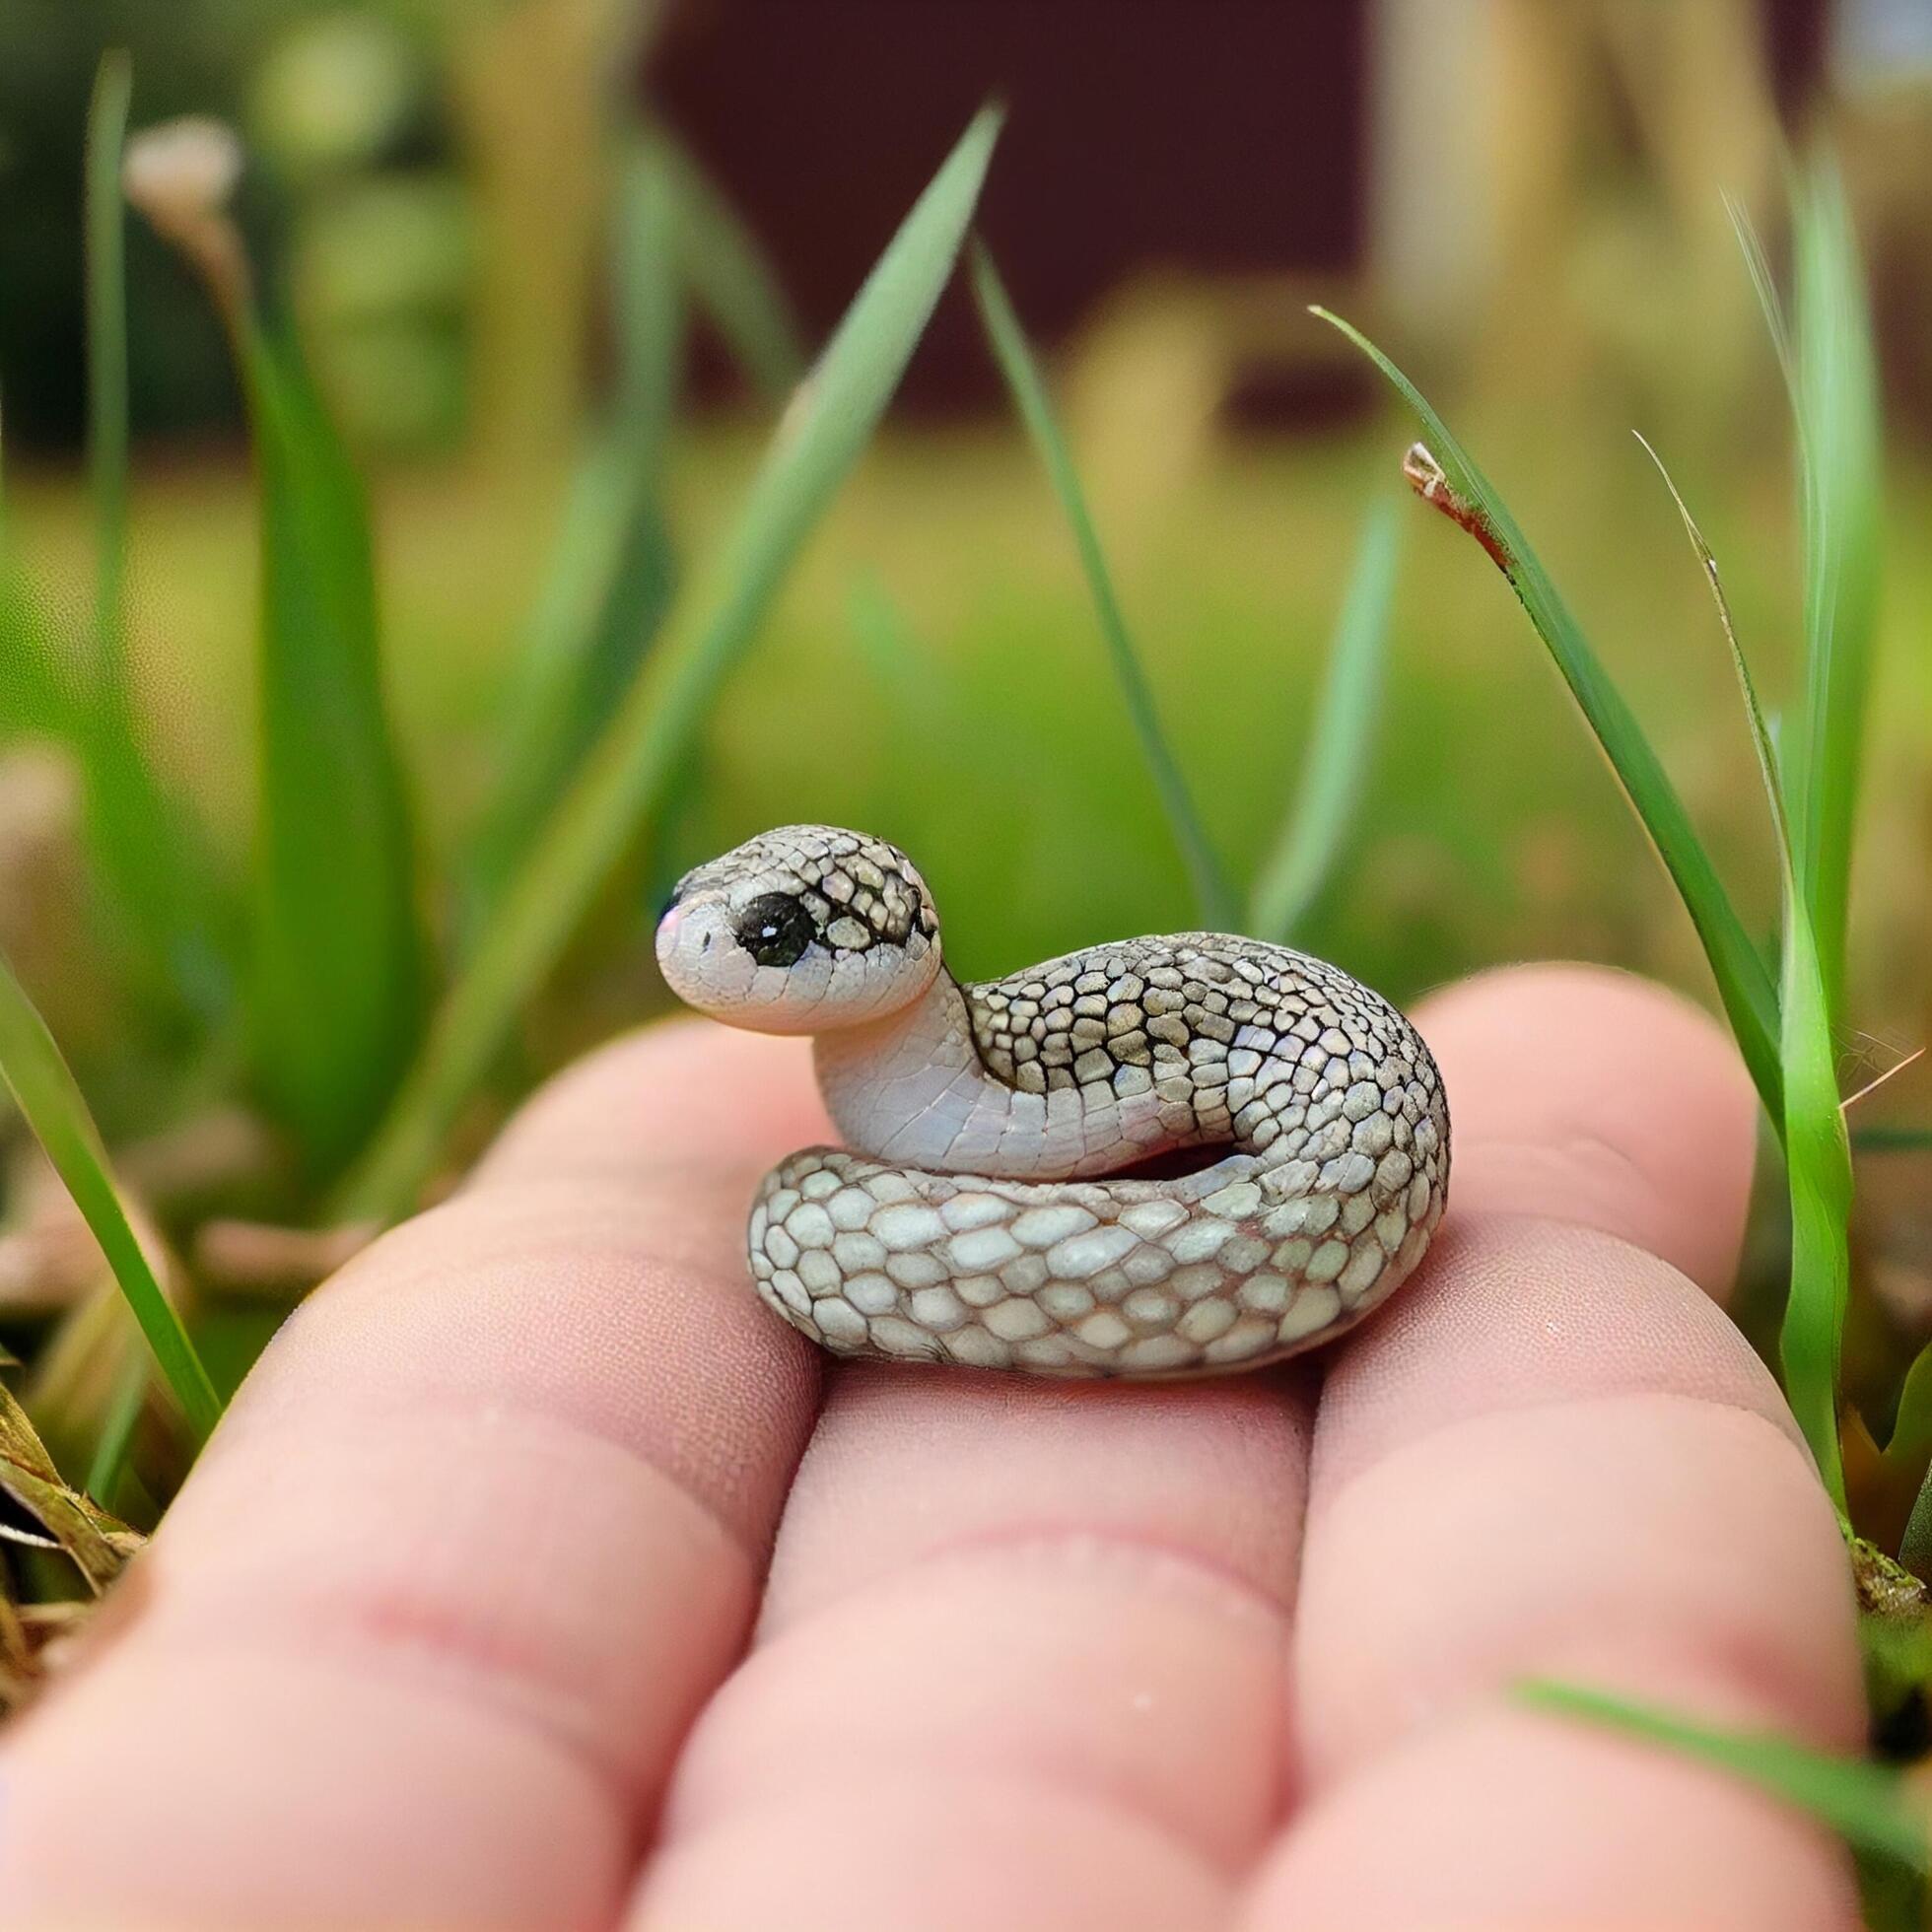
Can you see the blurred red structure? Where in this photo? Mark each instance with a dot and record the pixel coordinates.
(1214, 136)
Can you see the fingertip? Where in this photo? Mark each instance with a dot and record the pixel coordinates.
(1592, 1096)
(1511, 1819)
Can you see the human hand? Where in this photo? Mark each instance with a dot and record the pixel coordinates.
(450, 1626)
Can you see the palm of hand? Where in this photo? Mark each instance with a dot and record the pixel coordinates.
(452, 1626)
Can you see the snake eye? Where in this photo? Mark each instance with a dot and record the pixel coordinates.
(775, 930)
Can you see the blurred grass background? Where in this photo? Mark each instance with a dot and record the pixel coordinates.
(1486, 834)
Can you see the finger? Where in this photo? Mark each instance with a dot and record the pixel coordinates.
(485, 1527)
(1553, 1457)
(1503, 1822)
(1021, 1665)
(1594, 1097)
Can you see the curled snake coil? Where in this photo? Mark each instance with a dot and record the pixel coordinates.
(978, 1213)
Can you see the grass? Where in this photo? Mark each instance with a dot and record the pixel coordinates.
(337, 975)
(51, 1105)
(1817, 1149)
(106, 325)
(728, 273)
(1835, 408)
(138, 837)
(1334, 777)
(1445, 474)
(1866, 1804)
(1211, 892)
(1783, 1031)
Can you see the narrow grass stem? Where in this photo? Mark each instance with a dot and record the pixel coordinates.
(1812, 1127)
(106, 365)
(50, 1102)
(1021, 368)
(1335, 765)
(1868, 1805)
(116, 1440)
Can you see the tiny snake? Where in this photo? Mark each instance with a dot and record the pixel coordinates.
(968, 1220)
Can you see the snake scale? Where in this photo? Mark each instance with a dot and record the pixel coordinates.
(979, 1213)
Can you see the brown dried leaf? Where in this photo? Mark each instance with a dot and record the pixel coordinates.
(93, 1541)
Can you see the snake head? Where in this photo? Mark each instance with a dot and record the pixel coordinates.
(805, 929)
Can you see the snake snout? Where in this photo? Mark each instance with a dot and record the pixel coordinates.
(686, 936)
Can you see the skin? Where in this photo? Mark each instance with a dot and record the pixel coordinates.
(539, 1576)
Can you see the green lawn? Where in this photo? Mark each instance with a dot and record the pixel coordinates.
(971, 715)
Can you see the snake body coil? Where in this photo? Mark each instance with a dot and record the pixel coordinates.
(969, 1223)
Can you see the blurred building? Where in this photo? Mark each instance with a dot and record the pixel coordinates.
(1218, 140)
(425, 177)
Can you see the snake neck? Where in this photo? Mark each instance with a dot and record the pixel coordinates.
(910, 1087)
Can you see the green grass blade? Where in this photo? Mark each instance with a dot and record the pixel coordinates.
(623, 783)
(1762, 743)
(33, 698)
(1915, 1545)
(1883, 1138)
(611, 572)
(1817, 1162)
(51, 1105)
(1335, 765)
(730, 274)
(1817, 1152)
(338, 978)
(1841, 487)
(1764, 286)
(140, 838)
(1744, 982)
(1867, 1805)
(116, 1440)
(646, 298)
(73, 1525)
(1021, 369)
(1909, 1449)
(107, 361)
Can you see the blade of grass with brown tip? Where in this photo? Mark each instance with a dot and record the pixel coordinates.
(50, 1103)
(1865, 1804)
(1021, 368)
(623, 783)
(1336, 763)
(1461, 491)
(29, 1477)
